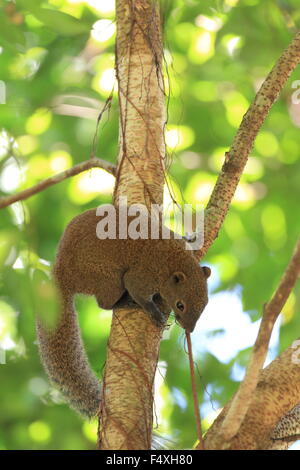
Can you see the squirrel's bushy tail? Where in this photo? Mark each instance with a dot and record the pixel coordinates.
(65, 361)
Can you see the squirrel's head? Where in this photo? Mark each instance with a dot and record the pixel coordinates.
(186, 293)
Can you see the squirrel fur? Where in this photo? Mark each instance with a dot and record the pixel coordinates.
(153, 272)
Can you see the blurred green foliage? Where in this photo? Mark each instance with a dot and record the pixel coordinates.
(56, 70)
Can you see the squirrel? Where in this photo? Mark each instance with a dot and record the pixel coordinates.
(154, 273)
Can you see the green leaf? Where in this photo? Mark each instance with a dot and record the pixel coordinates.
(11, 36)
(60, 22)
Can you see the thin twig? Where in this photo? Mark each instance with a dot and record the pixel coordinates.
(236, 158)
(272, 309)
(194, 390)
(75, 170)
(106, 106)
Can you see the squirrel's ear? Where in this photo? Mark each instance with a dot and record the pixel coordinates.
(206, 271)
(178, 276)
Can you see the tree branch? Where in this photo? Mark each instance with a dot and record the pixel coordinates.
(75, 170)
(236, 157)
(241, 401)
(277, 392)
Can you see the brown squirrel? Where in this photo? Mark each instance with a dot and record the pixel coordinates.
(153, 272)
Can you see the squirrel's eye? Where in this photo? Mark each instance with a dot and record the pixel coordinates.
(180, 306)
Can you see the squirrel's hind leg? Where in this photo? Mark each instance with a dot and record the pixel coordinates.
(108, 292)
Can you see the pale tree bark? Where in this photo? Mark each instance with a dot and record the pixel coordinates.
(126, 414)
(140, 172)
(277, 392)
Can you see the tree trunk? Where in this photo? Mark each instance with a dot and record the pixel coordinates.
(126, 414)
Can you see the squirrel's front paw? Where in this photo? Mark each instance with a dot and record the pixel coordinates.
(159, 321)
(156, 315)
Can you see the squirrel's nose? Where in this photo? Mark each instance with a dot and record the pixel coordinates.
(188, 326)
(190, 329)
